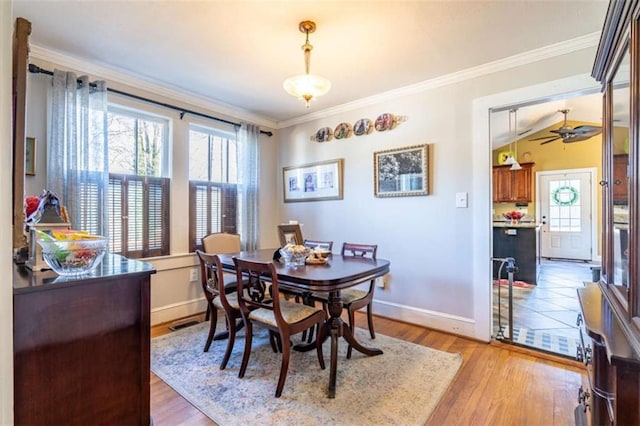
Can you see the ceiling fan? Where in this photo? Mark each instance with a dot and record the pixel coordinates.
(570, 134)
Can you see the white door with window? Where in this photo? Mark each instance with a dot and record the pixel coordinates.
(565, 206)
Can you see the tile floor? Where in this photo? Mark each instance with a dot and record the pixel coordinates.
(544, 317)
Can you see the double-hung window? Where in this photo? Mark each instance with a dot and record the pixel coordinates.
(138, 183)
(213, 181)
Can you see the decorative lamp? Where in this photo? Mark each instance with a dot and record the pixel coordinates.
(307, 86)
(509, 160)
(515, 165)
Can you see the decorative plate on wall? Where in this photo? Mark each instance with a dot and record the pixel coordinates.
(386, 121)
(364, 126)
(324, 134)
(342, 131)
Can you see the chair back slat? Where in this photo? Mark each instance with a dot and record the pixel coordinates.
(253, 287)
(359, 250)
(212, 277)
(328, 245)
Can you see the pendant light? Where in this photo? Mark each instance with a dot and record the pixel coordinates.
(515, 165)
(509, 160)
(307, 86)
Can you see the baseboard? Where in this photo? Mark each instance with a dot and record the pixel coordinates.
(425, 318)
(168, 313)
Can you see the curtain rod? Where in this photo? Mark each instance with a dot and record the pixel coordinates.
(37, 70)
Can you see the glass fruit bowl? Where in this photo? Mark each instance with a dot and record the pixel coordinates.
(74, 257)
(294, 255)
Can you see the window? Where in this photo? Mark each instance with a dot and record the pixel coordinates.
(138, 186)
(213, 179)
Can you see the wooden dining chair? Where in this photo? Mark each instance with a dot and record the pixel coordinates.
(277, 314)
(328, 245)
(222, 243)
(218, 298)
(353, 298)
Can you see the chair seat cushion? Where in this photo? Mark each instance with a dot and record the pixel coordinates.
(291, 312)
(232, 298)
(349, 295)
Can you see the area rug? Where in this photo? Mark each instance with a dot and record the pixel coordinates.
(516, 283)
(563, 345)
(402, 386)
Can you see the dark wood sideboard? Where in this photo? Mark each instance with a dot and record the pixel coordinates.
(81, 345)
(613, 367)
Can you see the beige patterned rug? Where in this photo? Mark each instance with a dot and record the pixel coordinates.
(402, 386)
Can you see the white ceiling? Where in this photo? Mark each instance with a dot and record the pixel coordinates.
(238, 53)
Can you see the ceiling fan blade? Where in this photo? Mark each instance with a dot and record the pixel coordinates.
(587, 129)
(544, 137)
(576, 139)
(558, 137)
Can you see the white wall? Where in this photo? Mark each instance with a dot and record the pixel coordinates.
(440, 255)
(173, 295)
(6, 212)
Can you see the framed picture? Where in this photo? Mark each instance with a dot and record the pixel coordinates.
(30, 157)
(401, 172)
(290, 234)
(313, 182)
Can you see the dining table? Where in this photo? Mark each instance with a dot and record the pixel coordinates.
(337, 274)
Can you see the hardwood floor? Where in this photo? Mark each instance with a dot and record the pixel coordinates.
(498, 384)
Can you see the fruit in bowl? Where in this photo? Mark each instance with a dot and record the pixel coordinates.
(294, 255)
(72, 252)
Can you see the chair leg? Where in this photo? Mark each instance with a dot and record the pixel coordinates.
(248, 335)
(206, 316)
(212, 328)
(319, 346)
(370, 319)
(352, 324)
(231, 326)
(286, 354)
(274, 340)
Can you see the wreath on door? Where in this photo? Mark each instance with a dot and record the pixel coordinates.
(565, 196)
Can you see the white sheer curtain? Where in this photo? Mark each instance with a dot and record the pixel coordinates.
(248, 185)
(77, 152)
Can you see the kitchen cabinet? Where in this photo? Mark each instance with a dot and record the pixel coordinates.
(513, 186)
(610, 308)
(82, 345)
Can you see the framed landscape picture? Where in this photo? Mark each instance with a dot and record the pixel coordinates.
(313, 182)
(401, 172)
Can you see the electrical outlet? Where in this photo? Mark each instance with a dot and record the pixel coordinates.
(193, 275)
(380, 282)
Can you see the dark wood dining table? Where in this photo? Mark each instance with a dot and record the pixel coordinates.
(339, 273)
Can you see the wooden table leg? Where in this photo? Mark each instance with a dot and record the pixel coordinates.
(335, 324)
(335, 328)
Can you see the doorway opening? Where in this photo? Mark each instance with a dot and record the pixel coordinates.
(563, 216)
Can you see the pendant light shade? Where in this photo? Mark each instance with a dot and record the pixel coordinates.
(515, 165)
(307, 86)
(509, 160)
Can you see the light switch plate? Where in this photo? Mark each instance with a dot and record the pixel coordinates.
(461, 200)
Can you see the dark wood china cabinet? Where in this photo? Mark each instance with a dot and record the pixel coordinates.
(611, 307)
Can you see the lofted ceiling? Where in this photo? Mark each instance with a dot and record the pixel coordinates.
(237, 53)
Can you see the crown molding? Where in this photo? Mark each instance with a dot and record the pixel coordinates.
(536, 55)
(160, 88)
